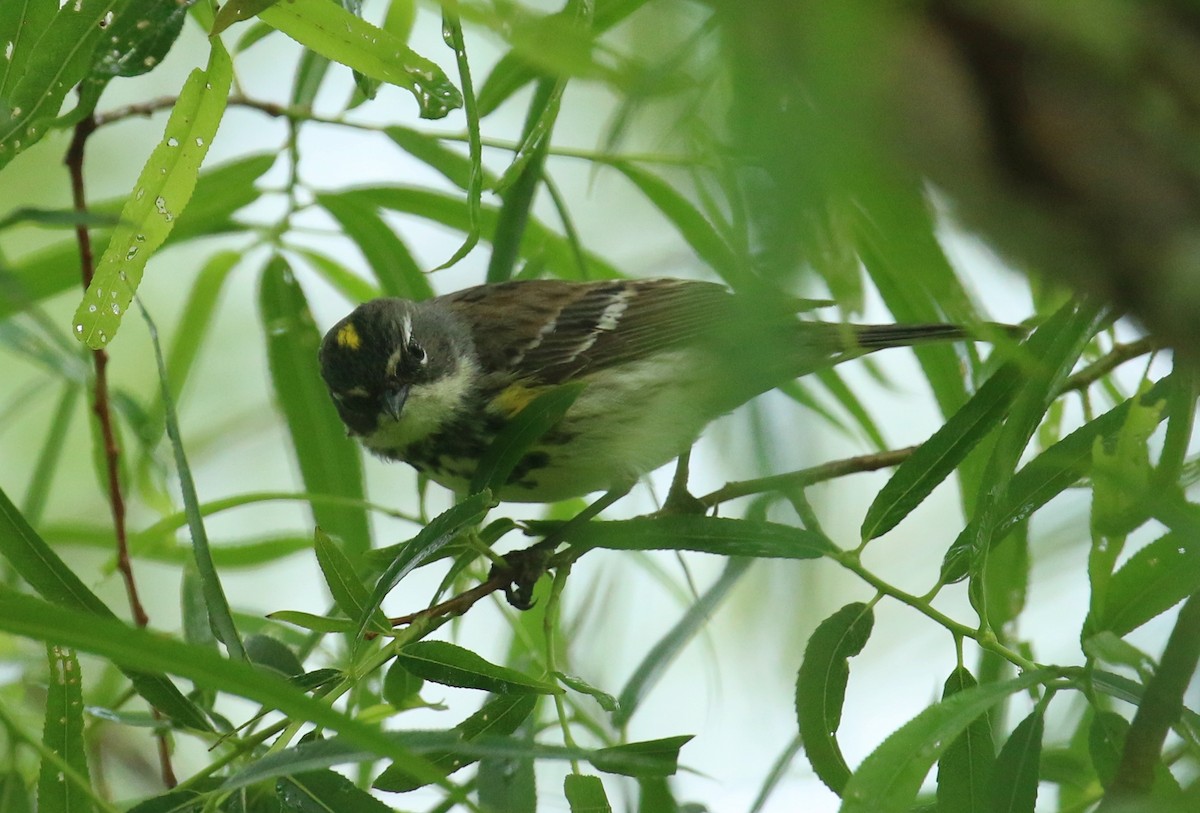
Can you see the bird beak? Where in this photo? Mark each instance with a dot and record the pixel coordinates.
(393, 402)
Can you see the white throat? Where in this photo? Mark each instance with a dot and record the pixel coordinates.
(428, 407)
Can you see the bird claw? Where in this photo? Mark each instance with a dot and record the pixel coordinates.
(521, 569)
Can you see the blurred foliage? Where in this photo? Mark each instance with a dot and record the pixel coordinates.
(800, 148)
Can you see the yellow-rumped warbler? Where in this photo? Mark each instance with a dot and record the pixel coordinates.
(432, 383)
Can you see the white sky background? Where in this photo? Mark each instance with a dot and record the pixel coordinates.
(733, 687)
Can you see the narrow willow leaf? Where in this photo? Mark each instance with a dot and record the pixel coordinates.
(501, 460)
(400, 686)
(649, 672)
(499, 717)
(695, 229)
(14, 798)
(514, 70)
(833, 383)
(1007, 577)
(1106, 740)
(888, 780)
(936, 458)
(1121, 474)
(329, 462)
(424, 546)
(390, 260)
(62, 734)
(51, 65)
(577, 684)
(236, 11)
(429, 150)
(337, 34)
(1108, 648)
(161, 193)
(347, 589)
(1047, 358)
(507, 783)
(1015, 776)
(641, 759)
(654, 796)
(148, 651)
(821, 689)
(585, 794)
(22, 23)
(210, 581)
(38, 564)
(1154, 580)
(196, 318)
(895, 232)
(325, 792)
(520, 183)
(452, 665)
(540, 242)
(315, 623)
(1060, 466)
(966, 766)
(351, 286)
(135, 42)
(725, 537)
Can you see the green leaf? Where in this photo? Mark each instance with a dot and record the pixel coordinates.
(821, 689)
(424, 546)
(966, 766)
(888, 780)
(350, 285)
(193, 324)
(390, 260)
(162, 192)
(325, 792)
(429, 150)
(329, 462)
(664, 652)
(22, 23)
(347, 589)
(499, 461)
(577, 684)
(641, 759)
(936, 458)
(336, 34)
(13, 796)
(725, 537)
(400, 686)
(210, 581)
(45, 572)
(62, 734)
(315, 623)
(451, 665)
(148, 651)
(585, 794)
(514, 70)
(1060, 466)
(272, 653)
(1015, 776)
(1106, 740)
(135, 42)
(236, 11)
(1154, 580)
(1046, 358)
(695, 229)
(500, 716)
(539, 243)
(52, 64)
(1121, 474)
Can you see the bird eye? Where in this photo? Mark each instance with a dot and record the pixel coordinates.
(416, 352)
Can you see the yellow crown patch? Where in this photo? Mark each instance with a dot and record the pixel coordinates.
(347, 336)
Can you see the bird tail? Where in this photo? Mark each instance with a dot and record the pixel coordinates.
(856, 339)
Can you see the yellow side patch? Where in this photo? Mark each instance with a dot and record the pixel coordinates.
(347, 336)
(514, 398)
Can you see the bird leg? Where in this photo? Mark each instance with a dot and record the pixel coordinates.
(524, 567)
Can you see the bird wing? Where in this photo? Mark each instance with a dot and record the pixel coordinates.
(552, 331)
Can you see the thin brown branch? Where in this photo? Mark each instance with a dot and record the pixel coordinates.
(102, 409)
(1120, 354)
(456, 605)
(809, 476)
